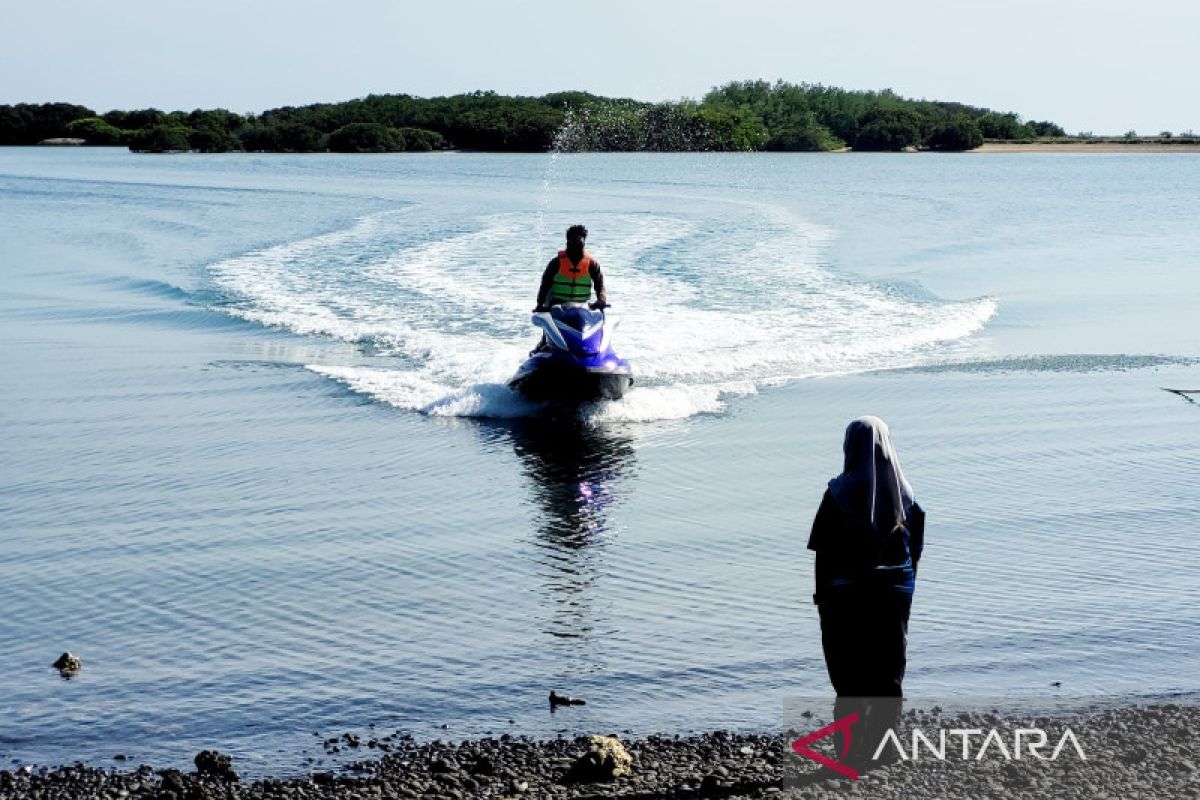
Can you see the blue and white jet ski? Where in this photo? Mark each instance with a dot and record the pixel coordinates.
(576, 362)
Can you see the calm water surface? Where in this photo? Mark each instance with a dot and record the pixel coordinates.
(262, 474)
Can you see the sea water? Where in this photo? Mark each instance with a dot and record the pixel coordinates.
(262, 473)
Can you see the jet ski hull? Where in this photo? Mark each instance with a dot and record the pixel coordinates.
(548, 377)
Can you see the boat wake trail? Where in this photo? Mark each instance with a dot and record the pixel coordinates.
(709, 308)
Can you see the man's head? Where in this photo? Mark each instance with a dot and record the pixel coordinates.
(576, 236)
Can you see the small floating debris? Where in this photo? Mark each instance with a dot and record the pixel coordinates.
(557, 700)
(1186, 394)
(68, 665)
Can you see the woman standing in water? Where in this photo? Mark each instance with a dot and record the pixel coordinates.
(868, 536)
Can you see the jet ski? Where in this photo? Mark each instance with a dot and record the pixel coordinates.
(575, 362)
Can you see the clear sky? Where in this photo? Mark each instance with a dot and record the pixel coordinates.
(1101, 65)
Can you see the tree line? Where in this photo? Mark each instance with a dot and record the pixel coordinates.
(739, 116)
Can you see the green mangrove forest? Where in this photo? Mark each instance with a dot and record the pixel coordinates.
(739, 116)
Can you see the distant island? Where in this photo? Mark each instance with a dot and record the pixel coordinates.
(739, 116)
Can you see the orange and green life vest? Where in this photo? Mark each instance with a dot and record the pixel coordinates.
(573, 283)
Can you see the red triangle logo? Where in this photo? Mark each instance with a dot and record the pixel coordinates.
(801, 745)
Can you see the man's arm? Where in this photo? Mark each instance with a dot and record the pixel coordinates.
(543, 298)
(598, 283)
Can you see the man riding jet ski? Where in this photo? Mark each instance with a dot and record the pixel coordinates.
(570, 276)
(574, 361)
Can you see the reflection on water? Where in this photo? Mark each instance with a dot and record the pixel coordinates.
(574, 470)
(575, 473)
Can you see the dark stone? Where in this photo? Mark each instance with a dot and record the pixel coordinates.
(215, 764)
(172, 781)
(483, 766)
(443, 766)
(1135, 755)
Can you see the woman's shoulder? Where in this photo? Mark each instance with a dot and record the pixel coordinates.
(830, 510)
(820, 521)
(915, 518)
(827, 498)
(828, 523)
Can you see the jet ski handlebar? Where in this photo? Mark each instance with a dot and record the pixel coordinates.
(597, 306)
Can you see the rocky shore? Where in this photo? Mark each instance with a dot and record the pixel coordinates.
(1143, 752)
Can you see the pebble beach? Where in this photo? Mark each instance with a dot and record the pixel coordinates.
(1131, 752)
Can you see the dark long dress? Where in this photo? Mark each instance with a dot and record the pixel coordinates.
(865, 583)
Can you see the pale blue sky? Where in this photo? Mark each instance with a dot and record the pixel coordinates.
(1100, 65)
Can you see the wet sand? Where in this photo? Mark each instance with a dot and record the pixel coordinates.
(1151, 751)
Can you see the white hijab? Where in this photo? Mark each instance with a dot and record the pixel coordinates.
(871, 486)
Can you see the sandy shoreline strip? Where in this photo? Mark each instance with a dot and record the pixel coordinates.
(1132, 751)
(1084, 147)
